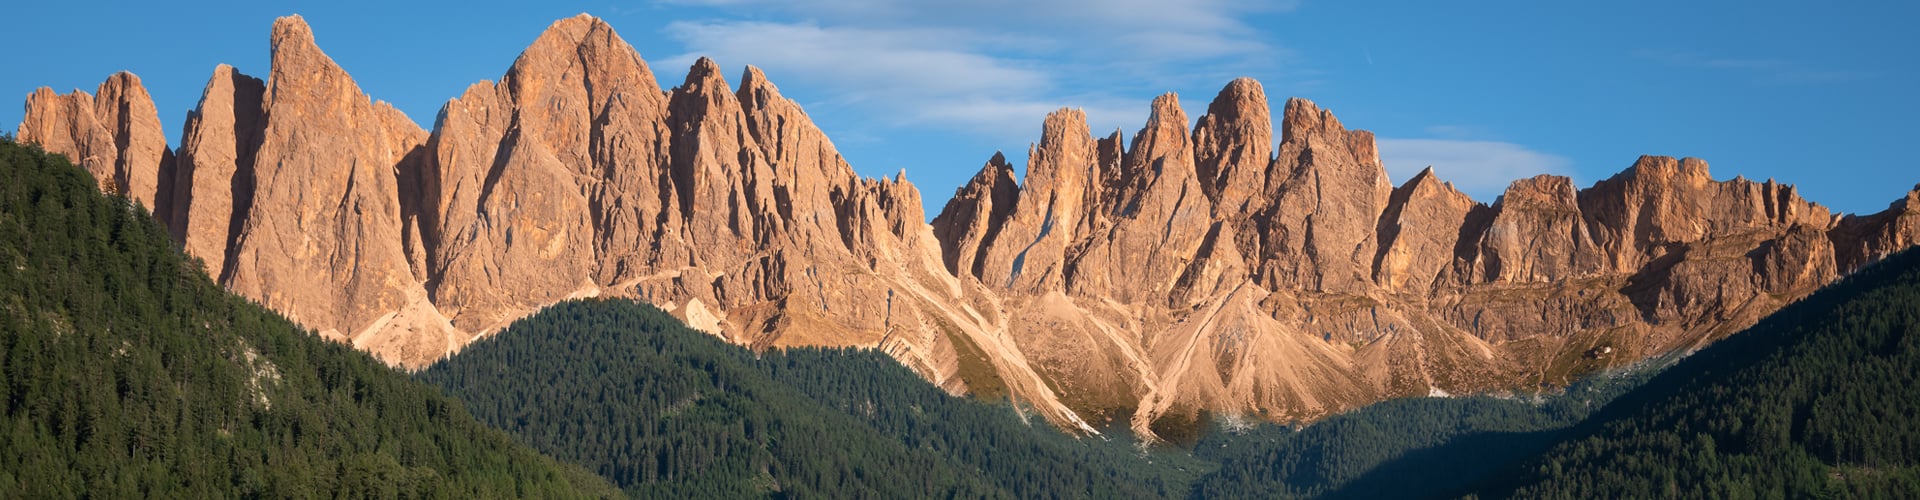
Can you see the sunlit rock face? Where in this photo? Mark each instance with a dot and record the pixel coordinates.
(1142, 279)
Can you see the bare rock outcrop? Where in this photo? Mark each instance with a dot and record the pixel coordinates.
(1144, 282)
(1233, 147)
(1862, 240)
(1537, 236)
(323, 239)
(113, 133)
(213, 187)
(1420, 233)
(516, 169)
(1328, 189)
(1154, 218)
(972, 219)
(1051, 210)
(1301, 284)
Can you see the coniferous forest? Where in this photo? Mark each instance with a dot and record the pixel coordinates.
(126, 373)
(1821, 399)
(1811, 402)
(665, 411)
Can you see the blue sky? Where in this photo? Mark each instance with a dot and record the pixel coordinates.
(1813, 94)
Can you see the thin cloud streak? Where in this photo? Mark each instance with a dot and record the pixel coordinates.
(991, 69)
(1482, 169)
(1762, 70)
(887, 61)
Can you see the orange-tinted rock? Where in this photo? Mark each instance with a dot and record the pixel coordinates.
(972, 219)
(323, 238)
(1158, 216)
(1180, 274)
(1051, 211)
(213, 188)
(1538, 235)
(1233, 146)
(1327, 194)
(1634, 216)
(516, 173)
(1863, 240)
(114, 134)
(1419, 233)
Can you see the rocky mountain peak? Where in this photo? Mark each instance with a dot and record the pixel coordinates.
(1166, 112)
(1062, 126)
(325, 237)
(1188, 272)
(291, 33)
(705, 78)
(1909, 204)
(295, 60)
(1050, 209)
(1657, 169)
(1545, 192)
(971, 220)
(1303, 119)
(1425, 177)
(1162, 144)
(1242, 100)
(114, 134)
(1420, 233)
(754, 82)
(1233, 145)
(213, 189)
(581, 55)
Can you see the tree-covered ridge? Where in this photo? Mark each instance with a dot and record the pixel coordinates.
(665, 411)
(126, 373)
(1402, 448)
(1820, 399)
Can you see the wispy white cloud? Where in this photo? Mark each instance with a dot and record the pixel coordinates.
(991, 67)
(1457, 131)
(1480, 168)
(1761, 70)
(888, 62)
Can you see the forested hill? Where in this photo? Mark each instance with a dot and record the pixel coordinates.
(668, 412)
(126, 373)
(1820, 399)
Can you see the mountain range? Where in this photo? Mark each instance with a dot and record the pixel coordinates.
(126, 372)
(1144, 281)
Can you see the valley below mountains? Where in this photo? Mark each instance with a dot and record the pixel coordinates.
(1146, 282)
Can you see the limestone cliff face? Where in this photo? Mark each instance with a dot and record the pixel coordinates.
(517, 165)
(213, 190)
(972, 219)
(1145, 280)
(1298, 283)
(1327, 188)
(1420, 234)
(113, 133)
(323, 238)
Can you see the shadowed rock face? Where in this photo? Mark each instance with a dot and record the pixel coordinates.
(1301, 284)
(324, 238)
(113, 133)
(213, 189)
(1141, 281)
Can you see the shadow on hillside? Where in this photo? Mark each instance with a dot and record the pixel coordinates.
(1450, 469)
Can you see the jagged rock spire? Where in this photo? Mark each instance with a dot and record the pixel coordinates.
(1211, 270)
(113, 133)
